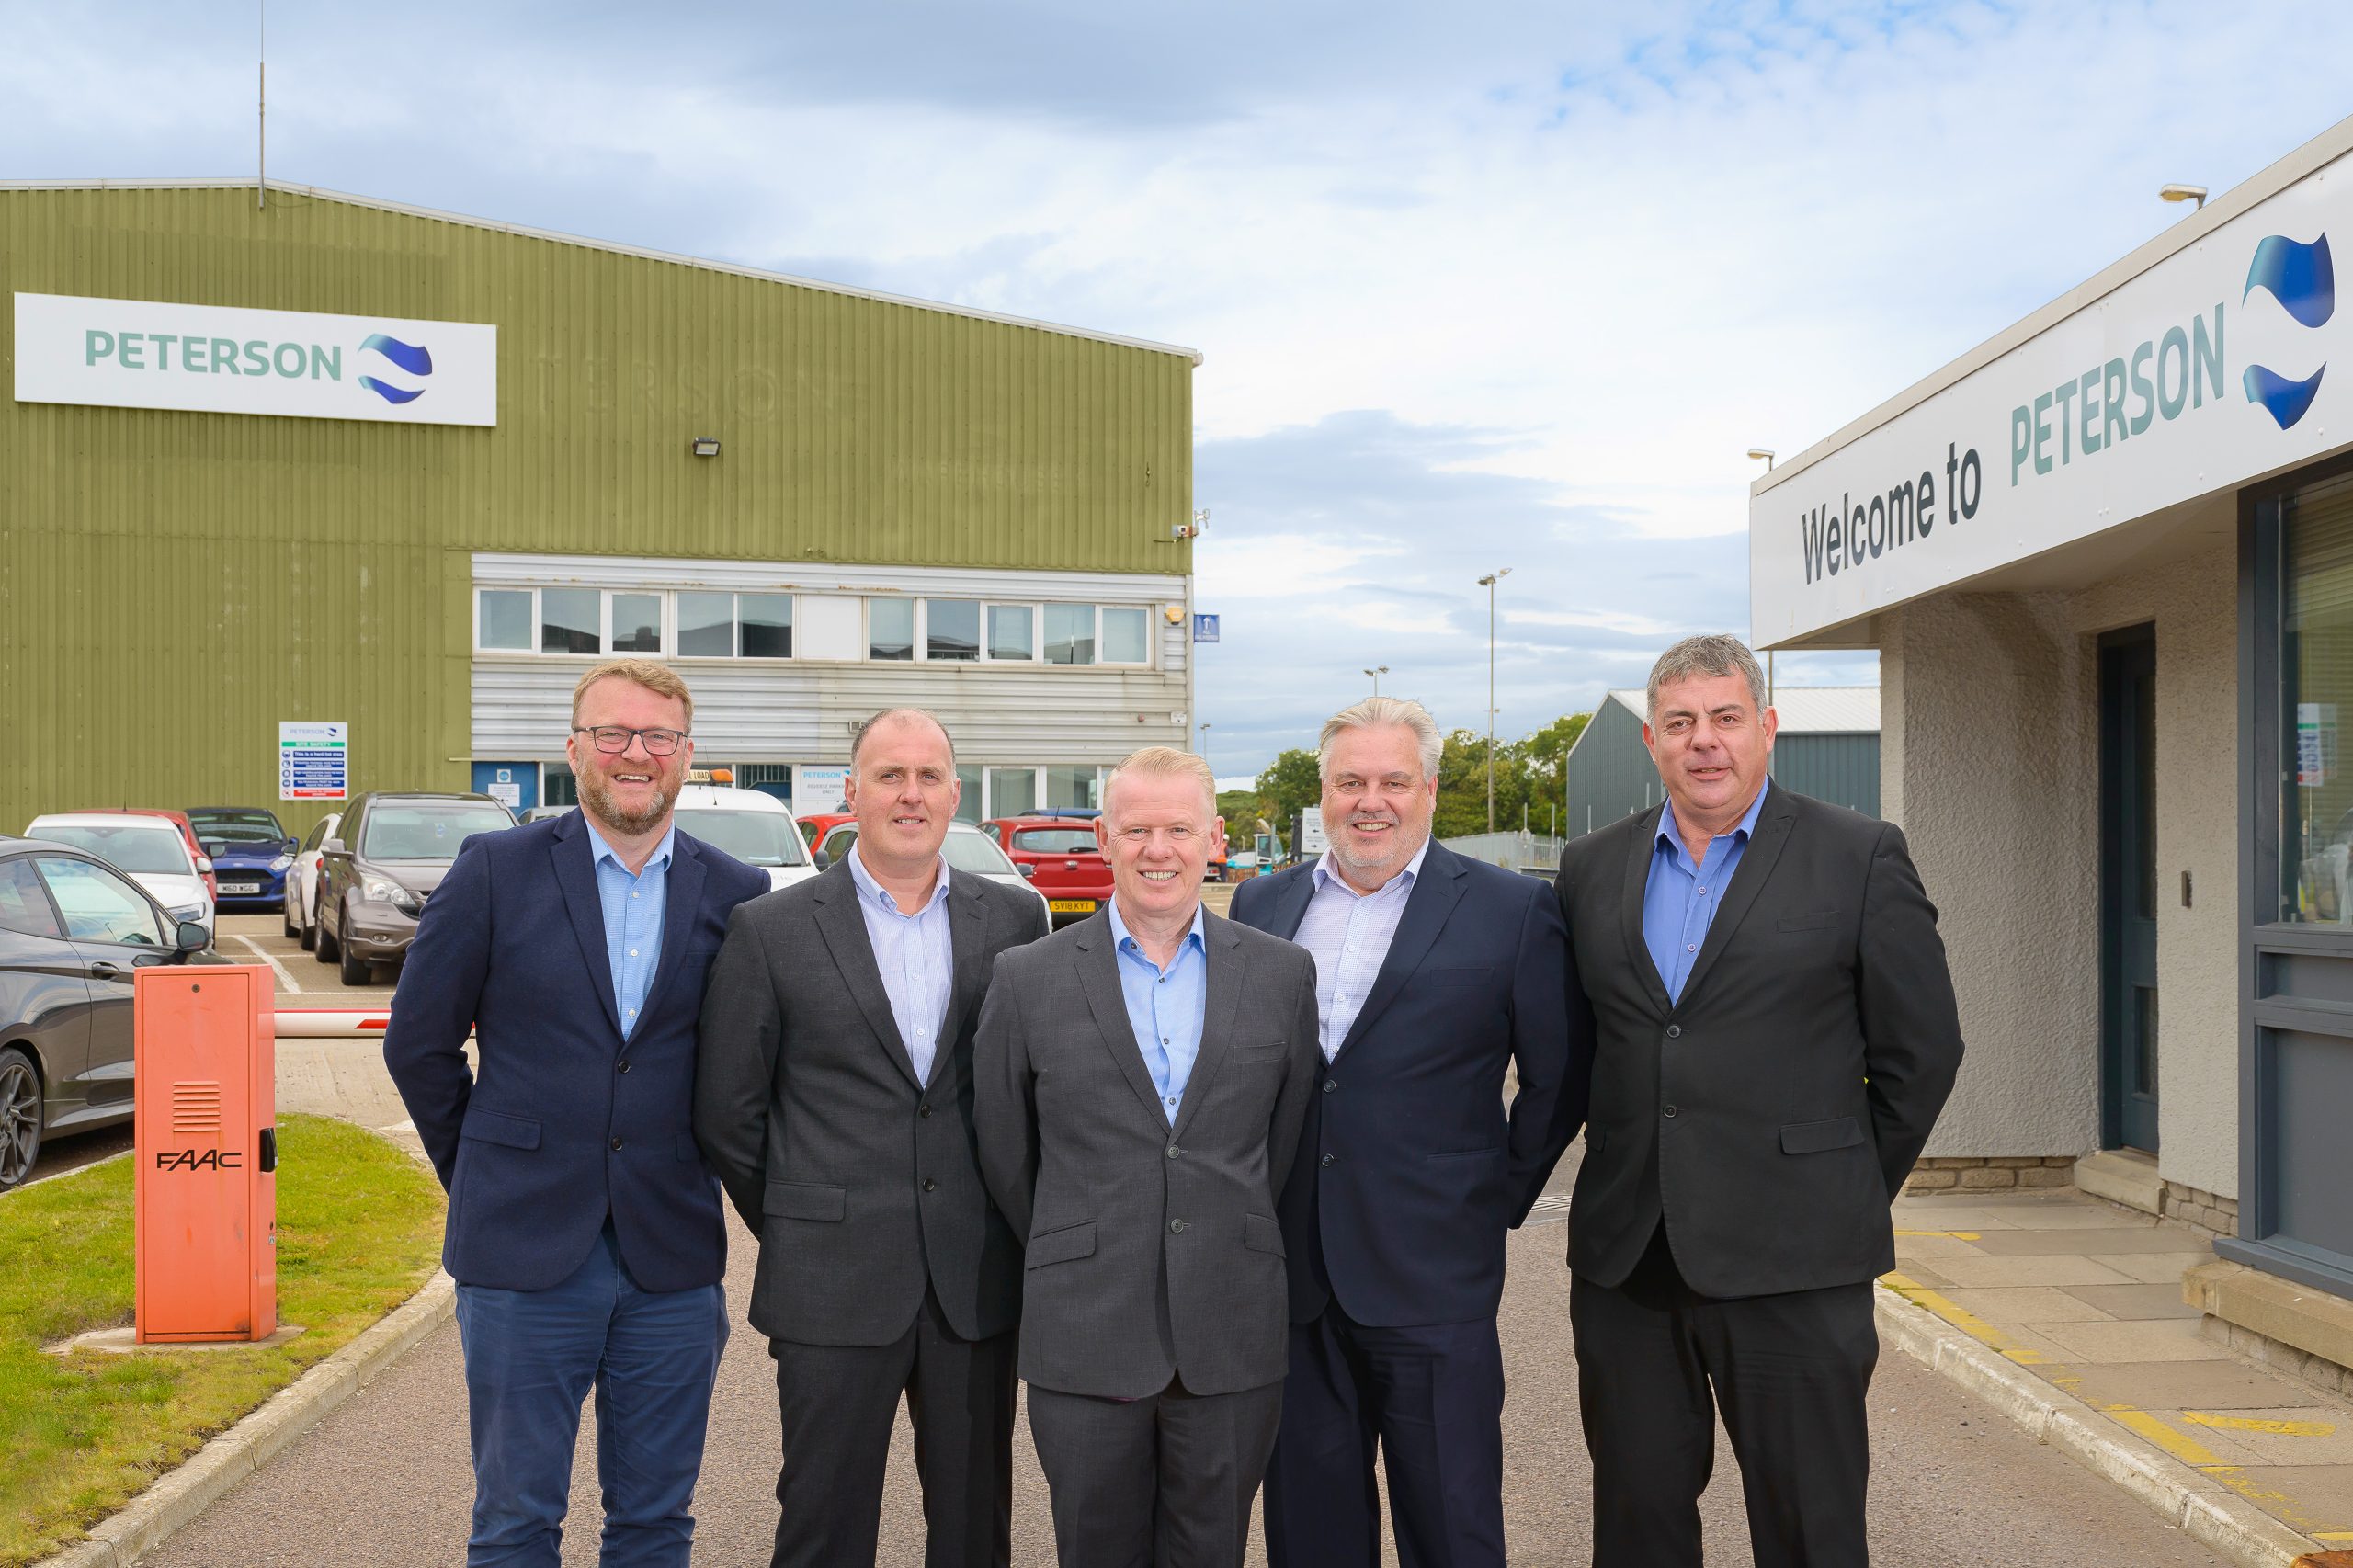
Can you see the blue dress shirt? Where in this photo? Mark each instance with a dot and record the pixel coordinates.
(1679, 901)
(633, 907)
(1349, 933)
(1165, 1006)
(916, 954)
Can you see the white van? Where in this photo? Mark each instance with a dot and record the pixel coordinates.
(757, 829)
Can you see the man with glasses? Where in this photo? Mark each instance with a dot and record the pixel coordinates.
(1141, 1079)
(584, 1230)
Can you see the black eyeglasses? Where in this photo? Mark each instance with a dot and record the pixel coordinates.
(614, 739)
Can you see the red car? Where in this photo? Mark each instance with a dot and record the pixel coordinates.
(1058, 855)
(187, 831)
(814, 829)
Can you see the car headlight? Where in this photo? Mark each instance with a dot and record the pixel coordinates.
(195, 912)
(391, 893)
(281, 863)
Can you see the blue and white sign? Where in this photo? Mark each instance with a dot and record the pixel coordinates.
(1204, 629)
(313, 761)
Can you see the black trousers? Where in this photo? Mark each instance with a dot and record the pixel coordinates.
(1431, 1398)
(1791, 1373)
(839, 1404)
(1162, 1481)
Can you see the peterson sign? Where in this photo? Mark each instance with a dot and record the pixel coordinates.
(216, 359)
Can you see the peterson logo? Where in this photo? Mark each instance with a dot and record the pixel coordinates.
(2303, 279)
(412, 357)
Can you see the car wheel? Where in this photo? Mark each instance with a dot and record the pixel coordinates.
(353, 968)
(324, 948)
(309, 932)
(20, 1118)
(286, 908)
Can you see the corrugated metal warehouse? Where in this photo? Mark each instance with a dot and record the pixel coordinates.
(815, 500)
(1827, 747)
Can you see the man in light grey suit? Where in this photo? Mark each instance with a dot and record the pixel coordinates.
(834, 1098)
(1141, 1078)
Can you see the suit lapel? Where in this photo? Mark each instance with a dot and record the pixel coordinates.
(1220, 999)
(968, 919)
(1098, 975)
(681, 897)
(1638, 880)
(1435, 893)
(842, 926)
(1290, 908)
(573, 854)
(1755, 865)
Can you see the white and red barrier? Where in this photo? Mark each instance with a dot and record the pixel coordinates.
(332, 1023)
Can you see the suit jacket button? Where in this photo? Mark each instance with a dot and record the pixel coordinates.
(616, 1143)
(930, 1184)
(1330, 1084)
(1176, 1226)
(1329, 1158)
(923, 1109)
(1675, 1031)
(622, 1065)
(1669, 1111)
(1173, 1150)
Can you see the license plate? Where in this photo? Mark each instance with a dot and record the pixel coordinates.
(1070, 905)
(241, 887)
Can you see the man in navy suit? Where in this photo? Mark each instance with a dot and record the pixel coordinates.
(1435, 974)
(584, 1231)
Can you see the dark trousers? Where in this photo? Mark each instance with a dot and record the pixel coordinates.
(1791, 1373)
(1432, 1399)
(840, 1404)
(531, 1358)
(1160, 1481)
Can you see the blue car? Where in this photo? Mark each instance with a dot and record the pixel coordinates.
(251, 853)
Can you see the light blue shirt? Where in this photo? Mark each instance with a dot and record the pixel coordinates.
(916, 954)
(1680, 900)
(1165, 1006)
(1349, 933)
(633, 908)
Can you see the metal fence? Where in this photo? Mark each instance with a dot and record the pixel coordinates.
(1513, 851)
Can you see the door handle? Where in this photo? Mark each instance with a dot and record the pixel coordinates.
(102, 969)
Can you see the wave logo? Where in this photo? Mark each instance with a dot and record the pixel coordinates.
(418, 362)
(2303, 279)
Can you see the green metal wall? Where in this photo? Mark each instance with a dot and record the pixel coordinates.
(174, 584)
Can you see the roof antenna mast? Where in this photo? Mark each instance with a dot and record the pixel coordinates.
(261, 105)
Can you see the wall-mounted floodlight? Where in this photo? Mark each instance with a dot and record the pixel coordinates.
(1192, 529)
(2182, 193)
(706, 446)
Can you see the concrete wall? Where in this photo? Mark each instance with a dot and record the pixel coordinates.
(1990, 760)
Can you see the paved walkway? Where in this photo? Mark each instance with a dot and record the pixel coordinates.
(2088, 1297)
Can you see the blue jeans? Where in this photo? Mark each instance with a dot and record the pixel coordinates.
(531, 1357)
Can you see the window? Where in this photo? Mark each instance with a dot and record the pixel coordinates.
(637, 623)
(2316, 673)
(1072, 786)
(99, 906)
(570, 620)
(969, 802)
(557, 785)
(767, 625)
(426, 830)
(890, 628)
(153, 848)
(1012, 632)
(1070, 634)
(23, 907)
(1012, 791)
(952, 629)
(1123, 633)
(507, 618)
(706, 625)
(1057, 841)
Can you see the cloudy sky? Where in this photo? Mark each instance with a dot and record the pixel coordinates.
(1479, 285)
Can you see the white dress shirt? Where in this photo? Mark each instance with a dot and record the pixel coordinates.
(916, 955)
(1349, 934)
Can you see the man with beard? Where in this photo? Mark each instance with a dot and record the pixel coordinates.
(1435, 975)
(583, 1230)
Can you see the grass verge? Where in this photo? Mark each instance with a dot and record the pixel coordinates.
(359, 1230)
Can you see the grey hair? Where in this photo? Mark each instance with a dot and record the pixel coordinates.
(1711, 653)
(1379, 711)
(926, 715)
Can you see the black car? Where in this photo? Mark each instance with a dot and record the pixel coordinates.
(388, 854)
(72, 931)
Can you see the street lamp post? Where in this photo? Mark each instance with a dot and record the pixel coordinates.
(1488, 582)
(1376, 673)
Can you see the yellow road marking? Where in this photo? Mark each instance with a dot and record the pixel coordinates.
(2252, 1423)
(1956, 1235)
(2197, 1455)
(2159, 1430)
(1962, 1318)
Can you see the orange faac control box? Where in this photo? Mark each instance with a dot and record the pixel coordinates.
(204, 1136)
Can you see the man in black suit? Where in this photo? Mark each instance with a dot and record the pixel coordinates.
(1435, 975)
(1774, 1033)
(835, 1100)
(1142, 1077)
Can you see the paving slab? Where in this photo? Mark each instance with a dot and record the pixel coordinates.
(2186, 1244)
(2232, 1385)
(2152, 1268)
(2281, 1435)
(2322, 1494)
(2029, 1303)
(2060, 1270)
(2137, 1300)
(2164, 1340)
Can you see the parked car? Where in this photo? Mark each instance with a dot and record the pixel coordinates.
(187, 835)
(814, 829)
(1058, 853)
(757, 829)
(386, 857)
(73, 932)
(251, 853)
(151, 852)
(303, 881)
(541, 813)
(966, 848)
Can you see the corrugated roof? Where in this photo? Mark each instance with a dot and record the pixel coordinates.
(558, 237)
(1804, 710)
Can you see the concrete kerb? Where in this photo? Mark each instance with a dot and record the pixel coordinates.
(2194, 1503)
(180, 1497)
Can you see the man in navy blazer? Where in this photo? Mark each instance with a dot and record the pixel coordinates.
(584, 1231)
(1435, 974)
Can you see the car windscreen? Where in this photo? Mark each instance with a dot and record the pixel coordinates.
(427, 830)
(141, 850)
(757, 838)
(242, 826)
(1056, 841)
(973, 852)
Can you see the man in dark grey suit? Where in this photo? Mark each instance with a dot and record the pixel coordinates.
(835, 1100)
(1774, 1034)
(1142, 1078)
